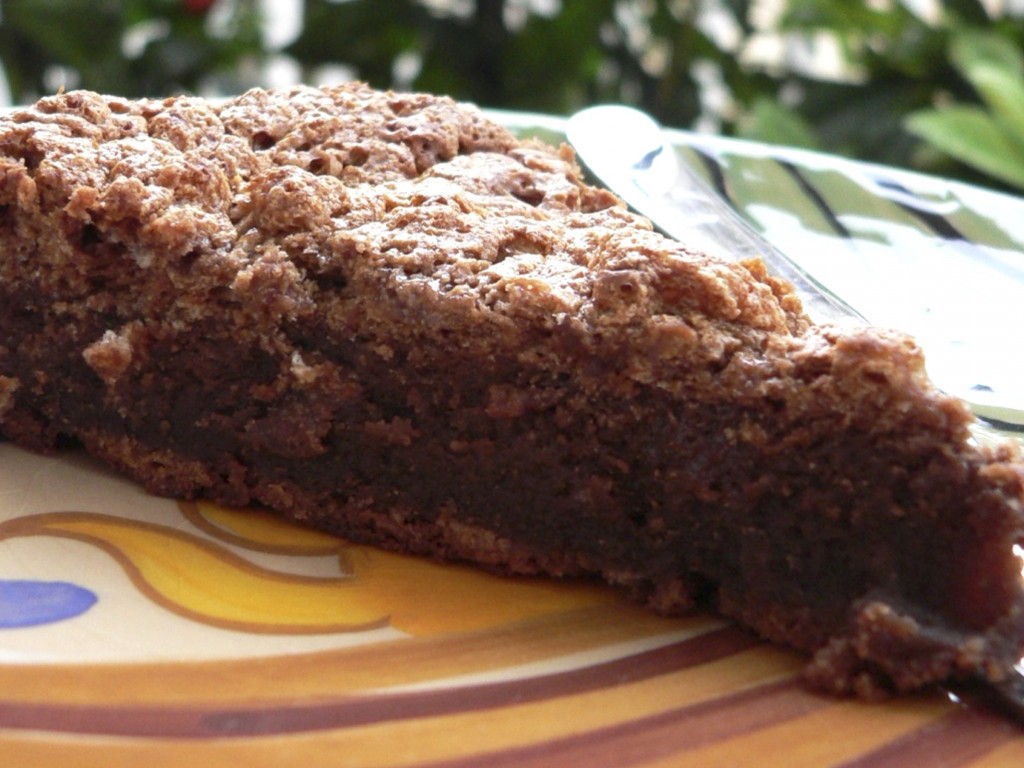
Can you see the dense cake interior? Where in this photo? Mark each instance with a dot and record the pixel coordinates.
(382, 314)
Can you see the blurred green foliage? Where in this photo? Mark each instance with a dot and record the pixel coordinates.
(988, 136)
(936, 85)
(132, 48)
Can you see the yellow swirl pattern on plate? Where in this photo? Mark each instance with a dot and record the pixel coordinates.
(206, 582)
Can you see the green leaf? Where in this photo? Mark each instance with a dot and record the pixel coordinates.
(971, 136)
(1003, 92)
(971, 48)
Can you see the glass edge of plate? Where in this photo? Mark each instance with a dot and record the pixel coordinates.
(818, 158)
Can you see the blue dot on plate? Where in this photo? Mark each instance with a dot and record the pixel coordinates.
(29, 603)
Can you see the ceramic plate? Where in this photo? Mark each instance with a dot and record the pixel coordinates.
(142, 631)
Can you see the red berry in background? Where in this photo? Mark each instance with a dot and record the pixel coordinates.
(197, 7)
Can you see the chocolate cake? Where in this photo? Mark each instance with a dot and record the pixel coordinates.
(384, 315)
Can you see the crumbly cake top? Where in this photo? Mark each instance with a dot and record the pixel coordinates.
(313, 187)
(343, 209)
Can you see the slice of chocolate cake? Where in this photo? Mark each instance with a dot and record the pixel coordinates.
(385, 316)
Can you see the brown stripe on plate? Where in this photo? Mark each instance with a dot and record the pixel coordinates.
(200, 721)
(958, 739)
(653, 738)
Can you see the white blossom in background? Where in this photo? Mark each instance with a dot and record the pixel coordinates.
(282, 22)
(516, 13)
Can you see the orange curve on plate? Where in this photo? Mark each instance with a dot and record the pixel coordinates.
(259, 530)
